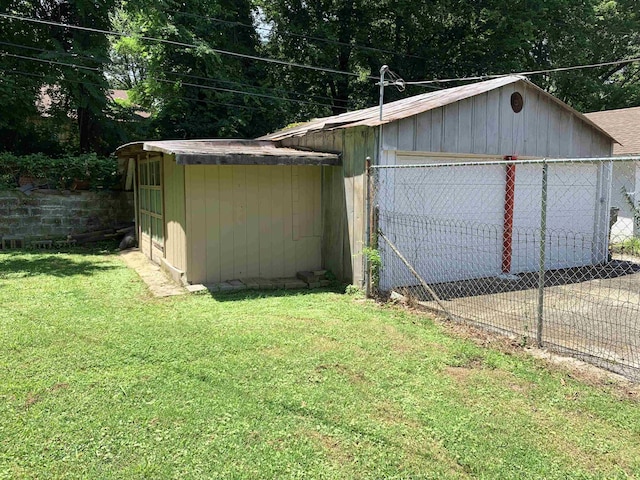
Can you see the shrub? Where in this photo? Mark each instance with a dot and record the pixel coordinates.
(60, 172)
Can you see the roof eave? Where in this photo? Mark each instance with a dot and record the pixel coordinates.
(330, 160)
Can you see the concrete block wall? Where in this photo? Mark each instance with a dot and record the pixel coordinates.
(54, 215)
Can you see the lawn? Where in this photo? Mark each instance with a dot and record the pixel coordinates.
(100, 380)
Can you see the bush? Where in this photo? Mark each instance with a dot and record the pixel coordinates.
(60, 172)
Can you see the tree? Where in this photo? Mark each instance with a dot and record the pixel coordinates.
(441, 38)
(190, 90)
(71, 61)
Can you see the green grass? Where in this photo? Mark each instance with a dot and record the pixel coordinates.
(99, 380)
(631, 246)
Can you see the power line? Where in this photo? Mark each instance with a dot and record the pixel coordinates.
(532, 72)
(197, 77)
(187, 45)
(299, 35)
(230, 90)
(52, 62)
(205, 87)
(83, 82)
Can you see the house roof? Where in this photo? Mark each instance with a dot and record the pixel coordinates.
(230, 152)
(44, 101)
(624, 125)
(410, 106)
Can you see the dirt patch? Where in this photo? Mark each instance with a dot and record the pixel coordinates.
(574, 368)
(59, 386)
(159, 284)
(584, 372)
(589, 374)
(391, 415)
(330, 445)
(354, 377)
(32, 399)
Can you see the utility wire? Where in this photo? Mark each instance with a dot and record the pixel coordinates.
(205, 87)
(83, 82)
(187, 45)
(299, 35)
(230, 90)
(52, 62)
(197, 77)
(532, 72)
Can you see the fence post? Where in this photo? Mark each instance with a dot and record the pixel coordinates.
(543, 251)
(367, 233)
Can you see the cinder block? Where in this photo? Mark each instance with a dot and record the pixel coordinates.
(12, 241)
(225, 287)
(237, 285)
(308, 277)
(294, 283)
(252, 283)
(197, 288)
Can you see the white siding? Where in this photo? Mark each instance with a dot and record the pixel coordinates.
(486, 124)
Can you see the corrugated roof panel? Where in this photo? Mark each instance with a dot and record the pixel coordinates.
(394, 110)
(410, 106)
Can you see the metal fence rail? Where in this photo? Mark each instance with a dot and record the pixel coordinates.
(547, 250)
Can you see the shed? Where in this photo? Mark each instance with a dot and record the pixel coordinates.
(216, 210)
(475, 122)
(624, 125)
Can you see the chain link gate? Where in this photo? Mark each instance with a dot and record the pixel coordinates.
(546, 250)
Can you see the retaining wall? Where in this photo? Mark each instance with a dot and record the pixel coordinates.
(55, 215)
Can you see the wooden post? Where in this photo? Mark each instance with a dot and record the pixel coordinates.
(509, 204)
(424, 284)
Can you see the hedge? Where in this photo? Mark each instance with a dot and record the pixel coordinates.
(60, 172)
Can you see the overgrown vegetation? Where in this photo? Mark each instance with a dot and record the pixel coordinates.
(374, 263)
(59, 172)
(99, 380)
(630, 246)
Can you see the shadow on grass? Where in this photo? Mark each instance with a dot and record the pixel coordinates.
(256, 294)
(19, 265)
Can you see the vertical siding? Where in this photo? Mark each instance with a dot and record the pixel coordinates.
(506, 121)
(479, 125)
(196, 213)
(174, 214)
(492, 122)
(212, 218)
(530, 125)
(343, 195)
(252, 221)
(486, 124)
(465, 130)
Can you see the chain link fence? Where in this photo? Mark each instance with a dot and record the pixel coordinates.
(544, 250)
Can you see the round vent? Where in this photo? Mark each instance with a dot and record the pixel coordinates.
(517, 102)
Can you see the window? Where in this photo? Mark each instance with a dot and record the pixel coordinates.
(151, 223)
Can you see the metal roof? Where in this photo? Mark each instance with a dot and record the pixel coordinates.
(624, 125)
(410, 106)
(230, 152)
